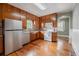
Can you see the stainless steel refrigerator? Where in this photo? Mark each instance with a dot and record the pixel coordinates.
(13, 35)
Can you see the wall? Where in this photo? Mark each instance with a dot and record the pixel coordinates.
(75, 31)
(69, 17)
(66, 30)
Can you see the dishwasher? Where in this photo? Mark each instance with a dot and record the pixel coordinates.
(26, 38)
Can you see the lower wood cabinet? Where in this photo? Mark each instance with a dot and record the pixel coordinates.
(1, 37)
(32, 36)
(1, 45)
(54, 37)
(36, 36)
(41, 35)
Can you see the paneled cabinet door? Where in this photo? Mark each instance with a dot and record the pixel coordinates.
(54, 36)
(1, 9)
(37, 35)
(1, 45)
(11, 12)
(41, 35)
(32, 36)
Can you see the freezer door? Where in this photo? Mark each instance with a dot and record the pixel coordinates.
(9, 25)
(13, 24)
(17, 24)
(8, 42)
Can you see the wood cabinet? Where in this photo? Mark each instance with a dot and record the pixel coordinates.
(1, 37)
(49, 19)
(1, 10)
(54, 36)
(41, 35)
(11, 12)
(37, 35)
(34, 36)
(8, 11)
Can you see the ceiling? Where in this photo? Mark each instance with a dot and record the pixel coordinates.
(50, 8)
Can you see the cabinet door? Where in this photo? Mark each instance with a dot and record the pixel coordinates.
(37, 35)
(1, 9)
(54, 37)
(41, 35)
(1, 45)
(11, 12)
(32, 36)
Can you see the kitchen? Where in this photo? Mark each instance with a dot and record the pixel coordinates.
(15, 19)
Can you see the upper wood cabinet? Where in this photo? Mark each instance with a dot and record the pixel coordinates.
(1, 10)
(23, 14)
(48, 18)
(36, 24)
(10, 12)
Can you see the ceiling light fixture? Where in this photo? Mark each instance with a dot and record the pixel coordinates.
(40, 6)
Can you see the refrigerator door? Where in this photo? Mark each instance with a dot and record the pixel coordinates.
(17, 40)
(13, 24)
(8, 42)
(13, 41)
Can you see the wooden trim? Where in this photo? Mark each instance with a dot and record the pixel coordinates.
(3, 24)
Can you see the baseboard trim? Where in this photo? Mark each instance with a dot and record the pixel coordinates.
(75, 50)
(64, 35)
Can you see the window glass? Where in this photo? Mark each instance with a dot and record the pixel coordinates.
(29, 24)
(48, 25)
(61, 25)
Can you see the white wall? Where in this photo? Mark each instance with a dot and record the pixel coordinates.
(75, 30)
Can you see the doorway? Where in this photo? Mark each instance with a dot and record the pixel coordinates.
(64, 27)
